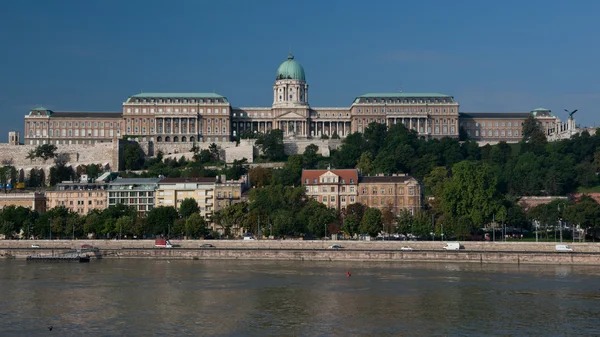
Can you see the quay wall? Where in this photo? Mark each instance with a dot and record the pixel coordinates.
(513, 246)
(558, 258)
(480, 252)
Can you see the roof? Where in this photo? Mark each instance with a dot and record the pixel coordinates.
(496, 115)
(69, 114)
(135, 181)
(386, 179)
(177, 95)
(405, 95)
(290, 70)
(346, 175)
(188, 180)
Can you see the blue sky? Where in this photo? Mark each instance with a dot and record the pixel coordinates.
(495, 56)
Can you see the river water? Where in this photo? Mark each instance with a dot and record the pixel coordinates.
(281, 298)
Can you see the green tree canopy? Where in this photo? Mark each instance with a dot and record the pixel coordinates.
(188, 207)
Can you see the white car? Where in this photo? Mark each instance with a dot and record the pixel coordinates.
(335, 247)
(406, 248)
(35, 245)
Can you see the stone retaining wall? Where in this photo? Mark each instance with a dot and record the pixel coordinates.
(332, 255)
(305, 244)
(100, 153)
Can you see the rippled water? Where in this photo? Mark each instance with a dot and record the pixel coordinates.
(274, 298)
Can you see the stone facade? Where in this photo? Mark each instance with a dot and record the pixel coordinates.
(106, 154)
(397, 192)
(43, 126)
(34, 201)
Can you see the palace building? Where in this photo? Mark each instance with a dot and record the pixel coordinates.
(209, 117)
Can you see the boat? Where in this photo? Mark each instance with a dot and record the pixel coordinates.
(59, 258)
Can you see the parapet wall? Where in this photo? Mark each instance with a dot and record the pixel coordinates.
(477, 246)
(82, 154)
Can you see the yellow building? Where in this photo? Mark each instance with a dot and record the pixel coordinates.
(172, 191)
(80, 198)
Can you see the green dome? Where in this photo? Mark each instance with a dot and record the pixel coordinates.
(290, 70)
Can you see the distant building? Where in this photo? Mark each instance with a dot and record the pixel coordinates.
(211, 193)
(34, 200)
(340, 188)
(172, 191)
(398, 192)
(210, 117)
(137, 192)
(489, 127)
(227, 192)
(44, 126)
(527, 203)
(80, 198)
(333, 188)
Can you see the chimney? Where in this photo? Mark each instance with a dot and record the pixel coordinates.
(223, 178)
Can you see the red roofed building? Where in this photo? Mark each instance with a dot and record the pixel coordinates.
(340, 188)
(334, 188)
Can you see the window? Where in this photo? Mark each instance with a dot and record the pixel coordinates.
(306, 181)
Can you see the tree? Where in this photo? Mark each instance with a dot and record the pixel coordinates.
(188, 207)
(405, 220)
(214, 151)
(93, 223)
(160, 219)
(388, 220)
(237, 169)
(335, 135)
(195, 148)
(365, 164)
(357, 209)
(310, 156)
(351, 224)
(317, 217)
(471, 192)
(133, 156)
(204, 157)
(195, 226)
(8, 174)
(31, 155)
(259, 176)
(234, 215)
(44, 151)
(371, 223)
(271, 144)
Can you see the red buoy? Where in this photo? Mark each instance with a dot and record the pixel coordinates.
(348, 273)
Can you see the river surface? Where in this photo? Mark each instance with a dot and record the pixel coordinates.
(281, 298)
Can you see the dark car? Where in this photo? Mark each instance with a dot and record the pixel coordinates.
(207, 245)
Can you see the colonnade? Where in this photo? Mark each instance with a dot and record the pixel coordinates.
(176, 125)
(418, 124)
(328, 127)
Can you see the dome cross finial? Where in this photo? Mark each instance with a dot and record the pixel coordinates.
(290, 55)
